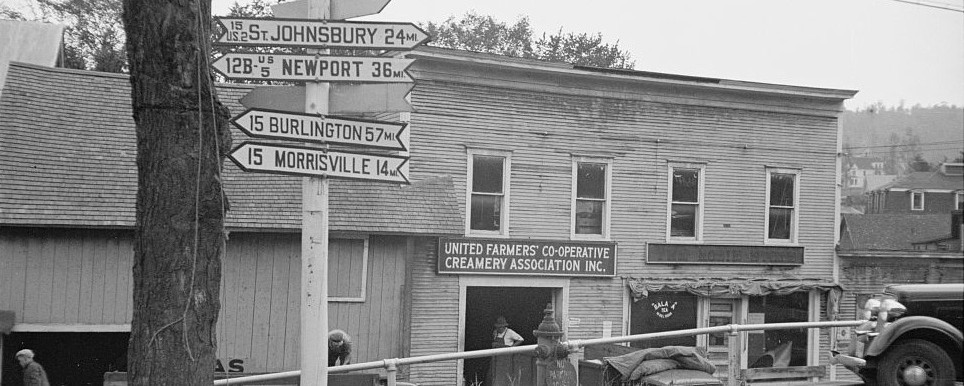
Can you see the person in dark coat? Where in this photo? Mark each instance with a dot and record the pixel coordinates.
(33, 372)
(339, 347)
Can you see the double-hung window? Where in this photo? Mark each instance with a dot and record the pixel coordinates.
(916, 200)
(685, 202)
(590, 205)
(782, 205)
(488, 182)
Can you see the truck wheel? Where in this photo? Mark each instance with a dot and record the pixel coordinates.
(915, 362)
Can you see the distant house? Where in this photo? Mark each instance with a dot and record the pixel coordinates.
(863, 174)
(939, 191)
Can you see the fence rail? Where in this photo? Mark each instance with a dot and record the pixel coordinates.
(391, 365)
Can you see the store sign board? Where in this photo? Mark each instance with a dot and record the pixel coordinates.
(526, 257)
(313, 162)
(723, 254)
(270, 124)
(320, 34)
(313, 68)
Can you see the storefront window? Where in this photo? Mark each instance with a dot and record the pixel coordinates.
(778, 348)
(664, 311)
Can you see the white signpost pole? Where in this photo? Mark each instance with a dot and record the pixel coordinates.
(314, 243)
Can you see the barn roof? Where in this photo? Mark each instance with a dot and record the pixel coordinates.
(67, 159)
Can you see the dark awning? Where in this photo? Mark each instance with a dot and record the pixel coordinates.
(716, 287)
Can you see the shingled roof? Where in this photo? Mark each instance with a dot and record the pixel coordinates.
(935, 180)
(891, 232)
(67, 158)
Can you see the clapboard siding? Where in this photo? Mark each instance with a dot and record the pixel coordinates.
(434, 316)
(592, 302)
(262, 294)
(55, 276)
(547, 129)
(83, 277)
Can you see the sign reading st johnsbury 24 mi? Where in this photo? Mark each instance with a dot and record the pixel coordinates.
(319, 34)
(465, 255)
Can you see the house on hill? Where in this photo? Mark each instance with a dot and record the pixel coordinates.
(940, 191)
(600, 192)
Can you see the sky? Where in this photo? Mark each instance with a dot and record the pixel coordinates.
(890, 51)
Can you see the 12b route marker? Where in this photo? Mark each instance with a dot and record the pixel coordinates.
(318, 68)
(312, 162)
(270, 124)
(320, 34)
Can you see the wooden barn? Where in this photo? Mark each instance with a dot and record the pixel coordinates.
(631, 201)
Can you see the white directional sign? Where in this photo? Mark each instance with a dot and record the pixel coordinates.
(318, 68)
(271, 124)
(312, 162)
(320, 34)
(344, 98)
(340, 9)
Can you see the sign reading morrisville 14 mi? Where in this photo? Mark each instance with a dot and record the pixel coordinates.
(465, 255)
(320, 34)
(312, 162)
(318, 68)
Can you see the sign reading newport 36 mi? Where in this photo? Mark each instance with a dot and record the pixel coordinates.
(526, 257)
(320, 34)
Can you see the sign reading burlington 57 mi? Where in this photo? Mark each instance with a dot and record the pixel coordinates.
(312, 162)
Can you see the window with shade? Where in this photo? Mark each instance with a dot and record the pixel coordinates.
(487, 193)
(916, 200)
(781, 222)
(685, 207)
(591, 199)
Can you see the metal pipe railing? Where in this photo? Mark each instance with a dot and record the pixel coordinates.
(391, 365)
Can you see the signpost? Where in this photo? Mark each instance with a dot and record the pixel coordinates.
(314, 162)
(269, 124)
(380, 85)
(307, 68)
(319, 34)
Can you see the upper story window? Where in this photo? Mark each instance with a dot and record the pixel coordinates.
(685, 202)
(590, 205)
(916, 200)
(488, 177)
(782, 205)
(959, 200)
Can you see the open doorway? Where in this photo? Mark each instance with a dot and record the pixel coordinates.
(74, 358)
(522, 308)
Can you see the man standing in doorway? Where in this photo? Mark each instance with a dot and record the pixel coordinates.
(503, 336)
(33, 372)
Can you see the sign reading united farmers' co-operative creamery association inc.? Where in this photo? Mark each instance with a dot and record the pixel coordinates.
(320, 34)
(526, 257)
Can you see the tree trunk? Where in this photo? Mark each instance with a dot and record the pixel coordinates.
(182, 137)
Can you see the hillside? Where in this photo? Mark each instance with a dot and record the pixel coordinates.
(935, 132)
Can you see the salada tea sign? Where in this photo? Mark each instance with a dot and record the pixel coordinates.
(526, 257)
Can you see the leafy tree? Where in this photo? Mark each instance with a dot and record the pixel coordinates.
(474, 32)
(93, 38)
(919, 164)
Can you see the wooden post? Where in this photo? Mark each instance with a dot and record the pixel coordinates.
(733, 366)
(314, 243)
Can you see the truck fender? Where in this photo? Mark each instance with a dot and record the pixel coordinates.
(903, 325)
